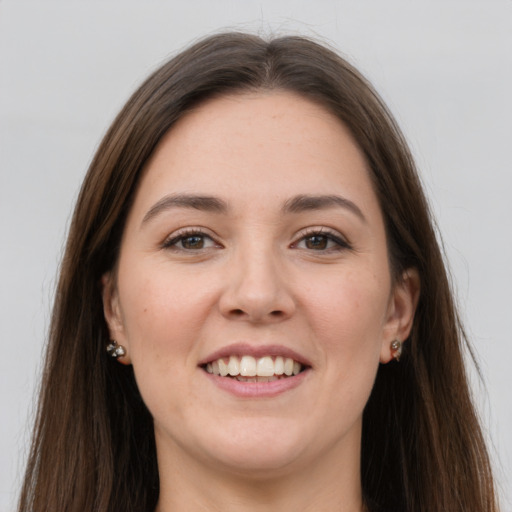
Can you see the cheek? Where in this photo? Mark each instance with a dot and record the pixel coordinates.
(348, 317)
(348, 321)
(162, 319)
(349, 311)
(161, 314)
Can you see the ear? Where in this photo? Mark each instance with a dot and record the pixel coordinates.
(113, 314)
(400, 315)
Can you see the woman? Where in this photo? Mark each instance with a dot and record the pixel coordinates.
(253, 311)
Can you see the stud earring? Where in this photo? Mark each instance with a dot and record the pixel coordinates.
(396, 349)
(114, 350)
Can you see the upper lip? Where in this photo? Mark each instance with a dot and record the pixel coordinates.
(256, 351)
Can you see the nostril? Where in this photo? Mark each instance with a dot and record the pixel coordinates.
(240, 312)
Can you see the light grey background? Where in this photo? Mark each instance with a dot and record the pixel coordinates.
(444, 67)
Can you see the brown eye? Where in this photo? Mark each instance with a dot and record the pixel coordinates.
(193, 242)
(316, 242)
(322, 241)
(190, 241)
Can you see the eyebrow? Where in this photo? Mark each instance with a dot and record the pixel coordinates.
(303, 203)
(297, 204)
(195, 202)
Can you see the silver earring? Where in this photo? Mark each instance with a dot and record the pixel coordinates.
(396, 349)
(114, 350)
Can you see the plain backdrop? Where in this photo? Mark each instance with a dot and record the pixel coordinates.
(444, 68)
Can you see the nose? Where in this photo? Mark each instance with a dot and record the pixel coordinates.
(256, 289)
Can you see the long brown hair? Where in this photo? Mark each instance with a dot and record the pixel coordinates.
(93, 445)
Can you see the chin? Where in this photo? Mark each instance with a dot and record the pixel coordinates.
(259, 465)
(257, 448)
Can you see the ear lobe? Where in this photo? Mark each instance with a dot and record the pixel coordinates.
(403, 302)
(112, 313)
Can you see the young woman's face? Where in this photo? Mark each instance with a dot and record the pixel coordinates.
(256, 247)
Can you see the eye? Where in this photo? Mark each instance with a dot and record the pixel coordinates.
(190, 241)
(321, 240)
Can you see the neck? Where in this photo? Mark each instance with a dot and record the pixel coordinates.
(332, 483)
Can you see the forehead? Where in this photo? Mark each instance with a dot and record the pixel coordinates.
(254, 146)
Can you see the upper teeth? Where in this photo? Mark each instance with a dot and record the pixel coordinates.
(248, 366)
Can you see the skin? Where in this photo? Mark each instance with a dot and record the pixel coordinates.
(257, 275)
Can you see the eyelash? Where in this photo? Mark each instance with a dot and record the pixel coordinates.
(341, 244)
(183, 235)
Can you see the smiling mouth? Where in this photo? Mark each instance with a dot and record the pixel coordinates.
(250, 369)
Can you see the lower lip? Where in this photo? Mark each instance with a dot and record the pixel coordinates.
(257, 389)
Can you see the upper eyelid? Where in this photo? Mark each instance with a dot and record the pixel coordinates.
(191, 230)
(319, 230)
